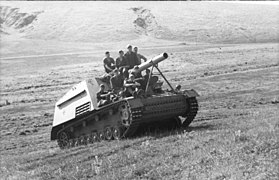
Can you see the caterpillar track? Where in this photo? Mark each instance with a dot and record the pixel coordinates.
(127, 120)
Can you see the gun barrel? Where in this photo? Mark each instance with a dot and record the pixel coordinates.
(151, 62)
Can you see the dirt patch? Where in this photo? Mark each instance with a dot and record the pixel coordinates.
(146, 24)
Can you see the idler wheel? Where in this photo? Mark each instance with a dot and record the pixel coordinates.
(101, 136)
(116, 133)
(108, 133)
(63, 139)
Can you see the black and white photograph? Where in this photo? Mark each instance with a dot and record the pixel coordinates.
(129, 90)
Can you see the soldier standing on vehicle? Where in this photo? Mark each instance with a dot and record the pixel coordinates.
(131, 57)
(121, 61)
(139, 56)
(116, 81)
(109, 63)
(122, 64)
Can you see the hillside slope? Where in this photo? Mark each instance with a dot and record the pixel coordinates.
(117, 21)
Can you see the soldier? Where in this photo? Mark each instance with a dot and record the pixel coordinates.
(131, 57)
(138, 76)
(122, 64)
(103, 97)
(131, 86)
(178, 88)
(139, 56)
(116, 81)
(152, 81)
(109, 63)
(121, 61)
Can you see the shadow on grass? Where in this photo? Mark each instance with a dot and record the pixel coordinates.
(159, 132)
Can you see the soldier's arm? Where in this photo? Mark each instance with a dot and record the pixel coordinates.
(105, 95)
(140, 78)
(108, 67)
(127, 84)
(111, 83)
(144, 58)
(113, 61)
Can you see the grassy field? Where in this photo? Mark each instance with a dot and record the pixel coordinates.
(234, 136)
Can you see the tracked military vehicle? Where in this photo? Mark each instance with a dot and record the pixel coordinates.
(78, 119)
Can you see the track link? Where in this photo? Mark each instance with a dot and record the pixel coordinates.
(119, 130)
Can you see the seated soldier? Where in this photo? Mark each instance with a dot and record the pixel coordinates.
(131, 86)
(152, 81)
(109, 63)
(116, 81)
(138, 77)
(103, 97)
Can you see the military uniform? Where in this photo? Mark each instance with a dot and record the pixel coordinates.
(110, 63)
(102, 100)
(140, 57)
(121, 61)
(132, 59)
(116, 82)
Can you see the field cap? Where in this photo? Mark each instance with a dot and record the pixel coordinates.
(129, 46)
(107, 52)
(102, 85)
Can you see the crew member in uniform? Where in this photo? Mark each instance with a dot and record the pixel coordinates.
(103, 97)
(131, 57)
(131, 86)
(109, 63)
(116, 81)
(139, 56)
(122, 64)
(152, 81)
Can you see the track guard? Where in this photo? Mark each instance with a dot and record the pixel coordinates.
(190, 93)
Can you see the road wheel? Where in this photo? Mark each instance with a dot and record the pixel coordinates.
(101, 136)
(88, 139)
(71, 143)
(108, 133)
(116, 133)
(82, 140)
(94, 137)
